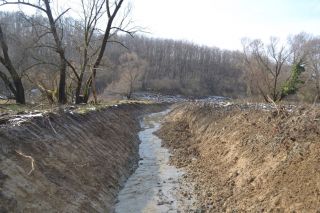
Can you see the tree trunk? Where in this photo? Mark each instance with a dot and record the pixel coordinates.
(20, 97)
(6, 61)
(79, 99)
(105, 39)
(62, 98)
(62, 83)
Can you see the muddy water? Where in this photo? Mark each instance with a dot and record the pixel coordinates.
(155, 186)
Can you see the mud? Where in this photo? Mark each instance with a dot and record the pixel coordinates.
(69, 162)
(155, 186)
(248, 160)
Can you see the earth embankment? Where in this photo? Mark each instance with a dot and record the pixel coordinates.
(248, 160)
(69, 162)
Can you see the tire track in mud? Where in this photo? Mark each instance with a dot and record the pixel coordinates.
(155, 186)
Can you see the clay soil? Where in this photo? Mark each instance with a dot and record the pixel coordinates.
(246, 160)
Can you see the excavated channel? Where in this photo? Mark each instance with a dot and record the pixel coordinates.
(155, 186)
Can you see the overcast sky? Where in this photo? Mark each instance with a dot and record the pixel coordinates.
(222, 23)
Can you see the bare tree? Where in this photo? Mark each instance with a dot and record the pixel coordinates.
(131, 70)
(268, 62)
(298, 46)
(112, 11)
(45, 7)
(250, 66)
(92, 11)
(16, 86)
(313, 62)
(92, 45)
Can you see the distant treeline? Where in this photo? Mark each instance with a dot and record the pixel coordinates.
(161, 65)
(185, 68)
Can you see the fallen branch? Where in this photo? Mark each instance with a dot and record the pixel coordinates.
(274, 103)
(27, 156)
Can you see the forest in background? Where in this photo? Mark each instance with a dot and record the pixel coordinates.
(131, 62)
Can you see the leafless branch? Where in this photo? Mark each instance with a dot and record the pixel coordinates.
(120, 43)
(73, 70)
(22, 2)
(61, 14)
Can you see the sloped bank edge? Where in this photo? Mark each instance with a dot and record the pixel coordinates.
(53, 122)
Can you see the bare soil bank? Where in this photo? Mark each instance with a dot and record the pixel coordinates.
(248, 160)
(80, 160)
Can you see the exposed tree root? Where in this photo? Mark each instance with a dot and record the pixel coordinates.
(27, 156)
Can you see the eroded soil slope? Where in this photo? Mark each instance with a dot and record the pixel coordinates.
(248, 160)
(80, 160)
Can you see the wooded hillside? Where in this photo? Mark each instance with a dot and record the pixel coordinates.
(133, 62)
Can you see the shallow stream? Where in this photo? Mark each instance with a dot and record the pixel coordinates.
(155, 186)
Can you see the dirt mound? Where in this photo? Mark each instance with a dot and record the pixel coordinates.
(248, 160)
(80, 160)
